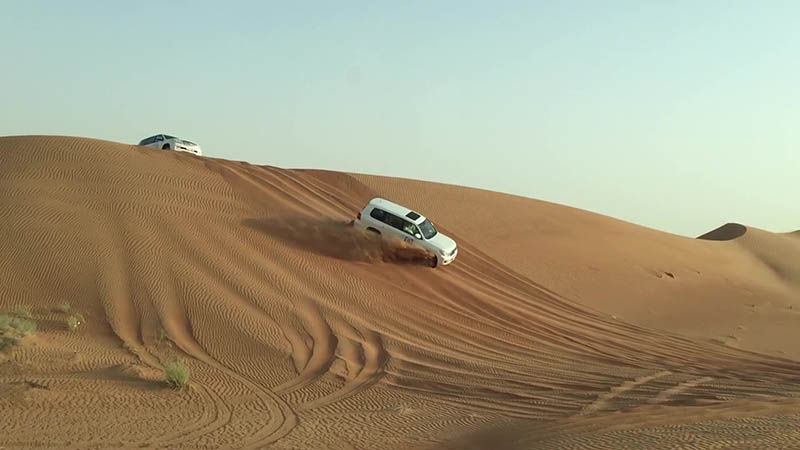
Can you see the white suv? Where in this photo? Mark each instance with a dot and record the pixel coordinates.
(384, 217)
(167, 142)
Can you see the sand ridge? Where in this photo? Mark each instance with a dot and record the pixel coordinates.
(302, 334)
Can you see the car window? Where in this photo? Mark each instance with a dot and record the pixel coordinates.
(378, 214)
(428, 230)
(410, 228)
(394, 221)
(159, 138)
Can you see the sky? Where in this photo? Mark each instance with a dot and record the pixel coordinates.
(679, 116)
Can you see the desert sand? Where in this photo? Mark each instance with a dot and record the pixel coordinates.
(555, 328)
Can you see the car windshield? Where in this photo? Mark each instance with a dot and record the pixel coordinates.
(427, 229)
(166, 136)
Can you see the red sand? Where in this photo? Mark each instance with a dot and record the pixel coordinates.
(554, 327)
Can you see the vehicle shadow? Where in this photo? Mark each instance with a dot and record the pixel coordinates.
(340, 240)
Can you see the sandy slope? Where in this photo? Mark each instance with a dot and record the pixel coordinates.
(741, 288)
(301, 333)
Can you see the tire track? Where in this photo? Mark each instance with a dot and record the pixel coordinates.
(367, 370)
(666, 395)
(323, 348)
(602, 400)
(283, 418)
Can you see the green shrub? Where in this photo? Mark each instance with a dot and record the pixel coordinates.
(65, 307)
(7, 342)
(176, 374)
(12, 328)
(23, 311)
(73, 321)
(11, 325)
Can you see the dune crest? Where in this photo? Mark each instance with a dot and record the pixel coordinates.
(726, 232)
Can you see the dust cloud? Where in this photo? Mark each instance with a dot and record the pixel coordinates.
(342, 241)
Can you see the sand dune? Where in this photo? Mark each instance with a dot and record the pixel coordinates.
(742, 291)
(570, 329)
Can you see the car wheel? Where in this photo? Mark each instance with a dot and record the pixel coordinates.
(165, 147)
(435, 262)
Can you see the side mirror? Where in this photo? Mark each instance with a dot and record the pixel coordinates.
(418, 236)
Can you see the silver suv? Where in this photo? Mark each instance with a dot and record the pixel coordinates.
(386, 218)
(167, 142)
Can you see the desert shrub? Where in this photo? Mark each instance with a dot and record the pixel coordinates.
(5, 323)
(23, 311)
(176, 374)
(7, 342)
(65, 307)
(20, 326)
(12, 328)
(73, 321)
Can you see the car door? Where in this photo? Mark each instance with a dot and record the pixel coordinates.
(410, 231)
(395, 225)
(159, 141)
(407, 237)
(377, 219)
(387, 221)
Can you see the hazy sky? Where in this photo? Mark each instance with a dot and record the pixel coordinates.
(677, 115)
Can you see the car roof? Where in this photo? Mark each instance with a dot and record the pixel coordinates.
(396, 209)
